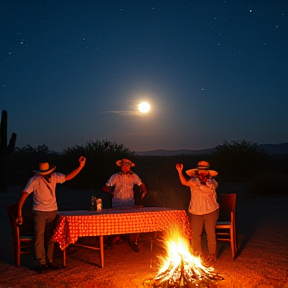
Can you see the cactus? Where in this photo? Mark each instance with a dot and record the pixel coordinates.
(5, 151)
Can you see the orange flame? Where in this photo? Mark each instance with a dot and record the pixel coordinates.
(180, 266)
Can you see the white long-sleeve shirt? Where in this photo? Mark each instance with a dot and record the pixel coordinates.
(203, 197)
(123, 192)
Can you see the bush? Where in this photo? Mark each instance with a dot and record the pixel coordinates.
(239, 160)
(162, 180)
(101, 157)
(236, 161)
(26, 159)
(100, 164)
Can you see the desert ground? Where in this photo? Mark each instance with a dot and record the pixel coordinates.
(262, 260)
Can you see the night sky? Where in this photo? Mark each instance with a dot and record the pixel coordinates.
(75, 71)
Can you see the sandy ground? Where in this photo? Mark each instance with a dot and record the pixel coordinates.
(262, 260)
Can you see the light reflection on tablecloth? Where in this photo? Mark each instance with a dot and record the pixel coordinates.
(123, 220)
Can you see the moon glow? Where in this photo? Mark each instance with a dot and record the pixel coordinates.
(144, 107)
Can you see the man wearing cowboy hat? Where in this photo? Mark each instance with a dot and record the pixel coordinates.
(43, 184)
(203, 207)
(123, 194)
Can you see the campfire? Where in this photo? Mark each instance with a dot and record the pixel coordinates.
(180, 268)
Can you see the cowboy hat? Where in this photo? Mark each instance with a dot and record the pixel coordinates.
(121, 162)
(44, 169)
(204, 166)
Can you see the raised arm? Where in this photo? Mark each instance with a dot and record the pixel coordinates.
(182, 178)
(71, 175)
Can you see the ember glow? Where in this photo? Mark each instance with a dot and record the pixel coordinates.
(180, 268)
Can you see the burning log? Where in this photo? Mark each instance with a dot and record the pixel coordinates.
(189, 273)
(183, 270)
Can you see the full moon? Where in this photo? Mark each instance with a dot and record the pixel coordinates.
(144, 107)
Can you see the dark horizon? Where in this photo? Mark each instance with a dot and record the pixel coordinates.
(276, 149)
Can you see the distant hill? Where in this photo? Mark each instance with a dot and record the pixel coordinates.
(163, 152)
(272, 149)
(275, 149)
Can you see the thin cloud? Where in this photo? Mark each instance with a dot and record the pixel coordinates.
(124, 113)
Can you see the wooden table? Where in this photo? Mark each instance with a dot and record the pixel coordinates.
(125, 220)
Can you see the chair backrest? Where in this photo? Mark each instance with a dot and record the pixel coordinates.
(26, 228)
(22, 234)
(12, 210)
(227, 204)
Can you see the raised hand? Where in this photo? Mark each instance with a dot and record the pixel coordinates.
(19, 221)
(82, 161)
(179, 167)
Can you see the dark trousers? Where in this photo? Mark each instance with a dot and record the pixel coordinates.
(208, 222)
(44, 225)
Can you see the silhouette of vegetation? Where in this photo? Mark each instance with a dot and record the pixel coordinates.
(26, 159)
(236, 162)
(100, 164)
(5, 150)
(162, 180)
(239, 160)
(101, 157)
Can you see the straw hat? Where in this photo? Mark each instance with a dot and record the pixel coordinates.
(121, 162)
(44, 169)
(204, 166)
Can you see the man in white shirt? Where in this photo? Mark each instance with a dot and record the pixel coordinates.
(43, 187)
(123, 194)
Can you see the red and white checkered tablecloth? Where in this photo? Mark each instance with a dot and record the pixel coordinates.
(74, 224)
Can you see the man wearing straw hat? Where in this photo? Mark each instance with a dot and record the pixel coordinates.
(123, 194)
(43, 184)
(203, 207)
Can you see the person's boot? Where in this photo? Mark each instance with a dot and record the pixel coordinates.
(212, 258)
(41, 268)
(136, 247)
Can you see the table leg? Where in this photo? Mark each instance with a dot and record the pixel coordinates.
(101, 250)
(64, 258)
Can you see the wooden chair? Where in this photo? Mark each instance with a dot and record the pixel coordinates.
(226, 224)
(22, 238)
